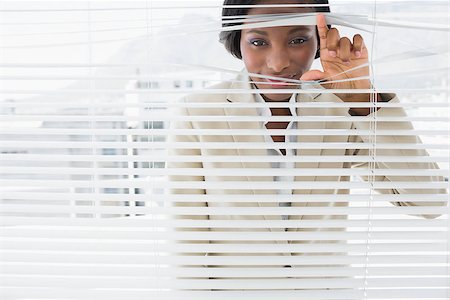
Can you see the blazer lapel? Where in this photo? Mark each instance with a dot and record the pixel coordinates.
(250, 112)
(303, 139)
(322, 125)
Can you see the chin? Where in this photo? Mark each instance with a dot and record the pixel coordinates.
(277, 96)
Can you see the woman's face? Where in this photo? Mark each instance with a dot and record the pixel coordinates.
(286, 51)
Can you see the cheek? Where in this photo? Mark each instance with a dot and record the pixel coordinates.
(306, 56)
(314, 48)
(253, 60)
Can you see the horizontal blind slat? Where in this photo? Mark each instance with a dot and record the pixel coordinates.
(141, 294)
(225, 171)
(222, 132)
(307, 260)
(160, 117)
(230, 211)
(179, 91)
(323, 235)
(216, 145)
(149, 221)
(147, 271)
(159, 104)
(142, 246)
(228, 284)
(225, 158)
(159, 198)
(225, 185)
(89, 282)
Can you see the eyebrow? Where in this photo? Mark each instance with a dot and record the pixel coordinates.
(299, 29)
(293, 30)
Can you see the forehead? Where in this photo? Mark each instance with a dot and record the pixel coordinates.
(280, 10)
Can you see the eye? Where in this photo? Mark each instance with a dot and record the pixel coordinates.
(258, 43)
(297, 41)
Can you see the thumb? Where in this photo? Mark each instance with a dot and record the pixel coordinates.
(313, 75)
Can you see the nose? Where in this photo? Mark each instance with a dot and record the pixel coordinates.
(278, 59)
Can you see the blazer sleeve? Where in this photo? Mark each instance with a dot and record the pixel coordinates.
(172, 141)
(393, 139)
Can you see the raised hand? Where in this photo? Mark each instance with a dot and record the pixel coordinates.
(339, 55)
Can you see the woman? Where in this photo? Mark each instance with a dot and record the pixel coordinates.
(274, 57)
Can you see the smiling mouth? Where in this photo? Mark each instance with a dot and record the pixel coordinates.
(283, 82)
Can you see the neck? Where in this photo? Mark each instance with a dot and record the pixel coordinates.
(280, 111)
(280, 100)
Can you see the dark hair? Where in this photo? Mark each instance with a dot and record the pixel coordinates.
(232, 38)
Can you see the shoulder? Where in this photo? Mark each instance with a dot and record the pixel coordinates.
(214, 93)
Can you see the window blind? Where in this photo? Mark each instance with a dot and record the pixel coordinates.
(134, 164)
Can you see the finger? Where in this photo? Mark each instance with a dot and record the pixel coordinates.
(345, 47)
(358, 44)
(333, 41)
(323, 30)
(313, 75)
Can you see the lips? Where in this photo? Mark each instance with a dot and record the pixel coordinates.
(279, 83)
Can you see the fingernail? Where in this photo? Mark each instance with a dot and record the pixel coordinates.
(332, 53)
(358, 54)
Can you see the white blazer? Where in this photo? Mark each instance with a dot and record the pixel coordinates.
(243, 84)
